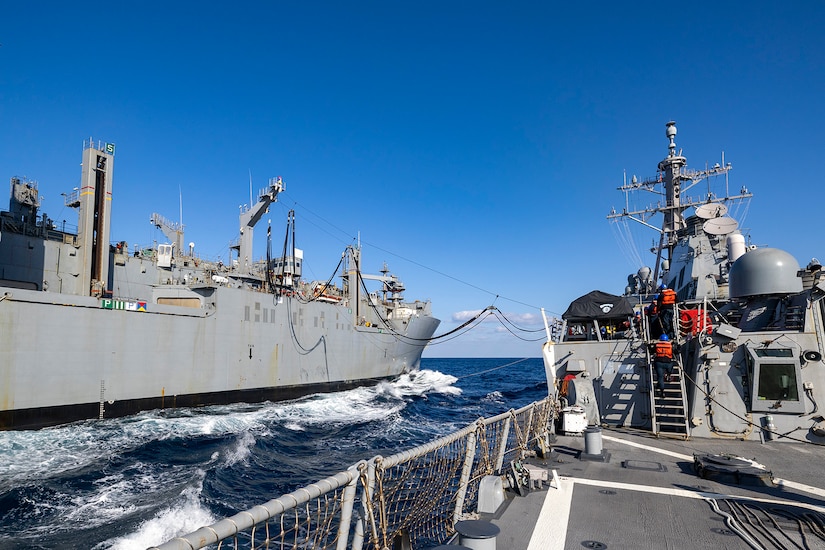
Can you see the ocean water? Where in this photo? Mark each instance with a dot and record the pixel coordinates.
(134, 482)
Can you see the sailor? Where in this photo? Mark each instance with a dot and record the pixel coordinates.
(666, 302)
(652, 314)
(662, 362)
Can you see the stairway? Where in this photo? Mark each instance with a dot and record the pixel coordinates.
(670, 410)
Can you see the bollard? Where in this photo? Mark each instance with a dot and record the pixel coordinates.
(593, 450)
(593, 440)
(477, 534)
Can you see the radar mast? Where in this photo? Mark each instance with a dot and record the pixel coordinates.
(672, 181)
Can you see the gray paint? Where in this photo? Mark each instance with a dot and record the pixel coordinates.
(60, 345)
(767, 314)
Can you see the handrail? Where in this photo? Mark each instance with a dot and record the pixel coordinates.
(418, 493)
(241, 521)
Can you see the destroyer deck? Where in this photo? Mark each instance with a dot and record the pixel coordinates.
(647, 495)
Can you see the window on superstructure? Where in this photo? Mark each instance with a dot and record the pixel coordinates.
(774, 352)
(777, 382)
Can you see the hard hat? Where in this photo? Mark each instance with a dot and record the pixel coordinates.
(662, 287)
(664, 338)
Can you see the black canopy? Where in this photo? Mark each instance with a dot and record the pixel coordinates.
(598, 305)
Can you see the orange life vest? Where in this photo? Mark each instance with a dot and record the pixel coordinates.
(664, 350)
(667, 297)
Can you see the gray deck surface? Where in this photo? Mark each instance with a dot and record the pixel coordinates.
(656, 509)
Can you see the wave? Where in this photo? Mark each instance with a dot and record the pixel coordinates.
(145, 474)
(28, 455)
(186, 515)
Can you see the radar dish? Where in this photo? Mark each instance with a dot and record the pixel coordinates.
(720, 226)
(711, 210)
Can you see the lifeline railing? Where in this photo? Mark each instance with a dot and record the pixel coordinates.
(410, 500)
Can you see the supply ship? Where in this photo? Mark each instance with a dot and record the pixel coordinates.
(91, 329)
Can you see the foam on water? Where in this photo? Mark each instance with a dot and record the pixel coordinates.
(108, 500)
(359, 405)
(51, 452)
(185, 516)
(494, 397)
(239, 454)
(420, 383)
(105, 472)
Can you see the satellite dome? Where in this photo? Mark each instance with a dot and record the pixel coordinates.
(764, 271)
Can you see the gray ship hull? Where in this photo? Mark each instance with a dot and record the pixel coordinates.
(90, 330)
(67, 358)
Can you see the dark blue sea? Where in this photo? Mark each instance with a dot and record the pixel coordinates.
(134, 482)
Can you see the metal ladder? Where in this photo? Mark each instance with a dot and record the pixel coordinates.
(669, 412)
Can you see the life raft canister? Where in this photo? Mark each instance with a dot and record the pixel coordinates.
(689, 322)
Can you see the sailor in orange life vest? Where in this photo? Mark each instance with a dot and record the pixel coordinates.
(665, 303)
(662, 362)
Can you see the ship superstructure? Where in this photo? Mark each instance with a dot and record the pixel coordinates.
(92, 329)
(748, 325)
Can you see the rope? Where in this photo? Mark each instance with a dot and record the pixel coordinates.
(325, 286)
(500, 316)
(498, 312)
(285, 195)
(382, 500)
(494, 368)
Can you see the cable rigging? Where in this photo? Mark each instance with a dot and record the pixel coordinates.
(494, 368)
(489, 310)
(283, 278)
(408, 260)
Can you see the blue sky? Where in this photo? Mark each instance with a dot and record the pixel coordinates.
(476, 147)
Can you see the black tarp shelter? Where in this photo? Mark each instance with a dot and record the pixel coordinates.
(598, 305)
